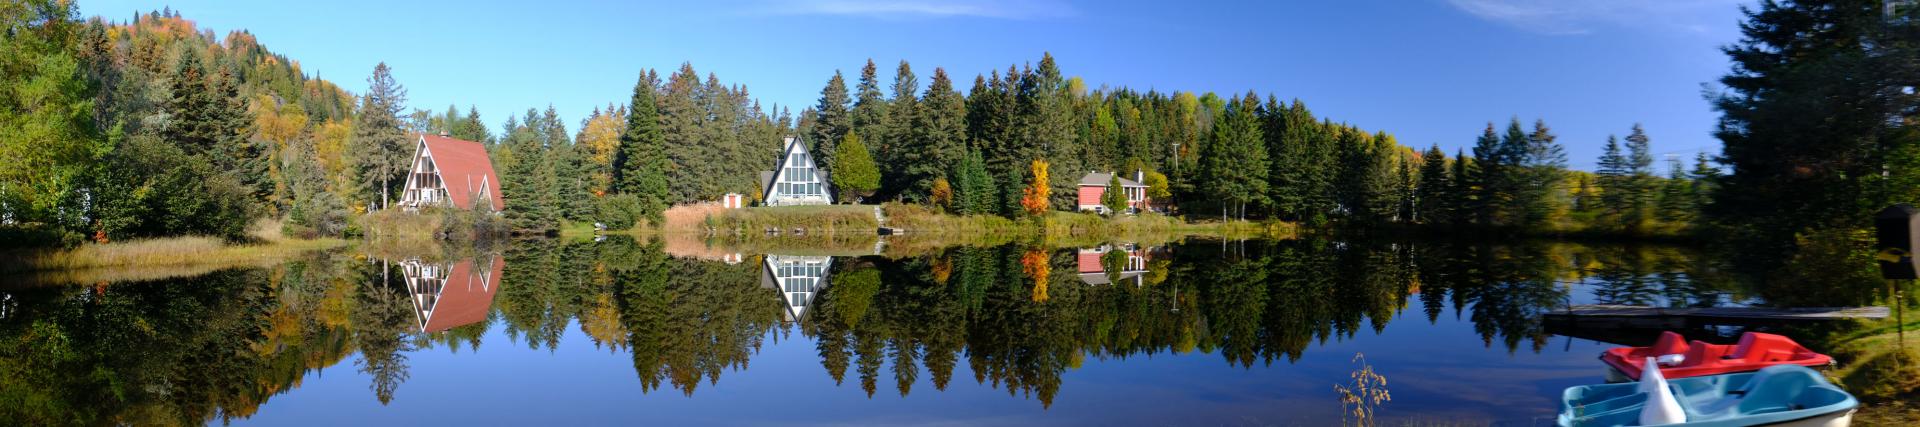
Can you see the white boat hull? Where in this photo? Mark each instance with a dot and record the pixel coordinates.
(1836, 419)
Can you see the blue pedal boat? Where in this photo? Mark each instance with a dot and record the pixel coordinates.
(1779, 395)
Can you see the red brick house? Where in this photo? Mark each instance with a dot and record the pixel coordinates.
(451, 172)
(1093, 187)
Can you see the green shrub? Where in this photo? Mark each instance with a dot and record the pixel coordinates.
(619, 211)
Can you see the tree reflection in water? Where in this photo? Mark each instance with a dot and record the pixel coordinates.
(183, 351)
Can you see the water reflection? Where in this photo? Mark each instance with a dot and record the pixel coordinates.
(215, 347)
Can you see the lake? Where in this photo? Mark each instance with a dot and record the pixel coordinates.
(625, 332)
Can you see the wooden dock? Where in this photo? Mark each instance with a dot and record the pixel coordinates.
(1659, 317)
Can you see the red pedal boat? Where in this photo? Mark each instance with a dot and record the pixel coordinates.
(1680, 359)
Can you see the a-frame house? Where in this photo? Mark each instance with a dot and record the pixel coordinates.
(450, 295)
(798, 278)
(451, 172)
(795, 179)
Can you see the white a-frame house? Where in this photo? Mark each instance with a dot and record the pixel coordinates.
(795, 180)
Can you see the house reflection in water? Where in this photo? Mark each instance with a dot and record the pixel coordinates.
(798, 278)
(450, 295)
(1091, 264)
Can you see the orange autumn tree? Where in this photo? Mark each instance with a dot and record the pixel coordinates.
(1035, 264)
(1035, 200)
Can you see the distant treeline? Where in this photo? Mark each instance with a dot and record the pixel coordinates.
(153, 127)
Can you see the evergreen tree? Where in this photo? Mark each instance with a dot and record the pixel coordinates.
(1234, 164)
(869, 114)
(1817, 118)
(974, 190)
(471, 128)
(640, 167)
(1639, 189)
(1544, 165)
(1615, 176)
(1435, 189)
(1487, 176)
(831, 121)
(1464, 188)
(1114, 198)
(1048, 106)
(856, 175)
(1302, 172)
(1676, 195)
(380, 147)
(939, 138)
(686, 145)
(897, 131)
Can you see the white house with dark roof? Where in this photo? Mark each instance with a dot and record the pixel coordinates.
(795, 180)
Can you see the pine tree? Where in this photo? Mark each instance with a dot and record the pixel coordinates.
(897, 131)
(1676, 195)
(1234, 165)
(869, 114)
(1435, 189)
(939, 138)
(1614, 175)
(1640, 186)
(380, 147)
(1464, 204)
(831, 121)
(974, 189)
(1051, 131)
(471, 128)
(1487, 175)
(1817, 119)
(856, 175)
(1114, 198)
(686, 144)
(640, 167)
(1544, 165)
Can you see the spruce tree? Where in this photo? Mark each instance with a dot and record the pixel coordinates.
(1435, 189)
(1487, 177)
(1817, 118)
(380, 149)
(1676, 195)
(897, 131)
(1544, 165)
(686, 144)
(641, 163)
(1614, 176)
(939, 138)
(831, 121)
(1640, 185)
(869, 115)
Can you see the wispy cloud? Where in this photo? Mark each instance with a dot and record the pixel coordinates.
(1564, 17)
(894, 9)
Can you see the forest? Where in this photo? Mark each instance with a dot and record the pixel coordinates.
(155, 127)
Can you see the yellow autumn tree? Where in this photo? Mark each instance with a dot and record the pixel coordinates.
(1035, 264)
(600, 137)
(942, 193)
(1035, 198)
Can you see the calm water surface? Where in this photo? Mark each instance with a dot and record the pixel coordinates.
(624, 332)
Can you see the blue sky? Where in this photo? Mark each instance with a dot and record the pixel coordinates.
(1428, 71)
